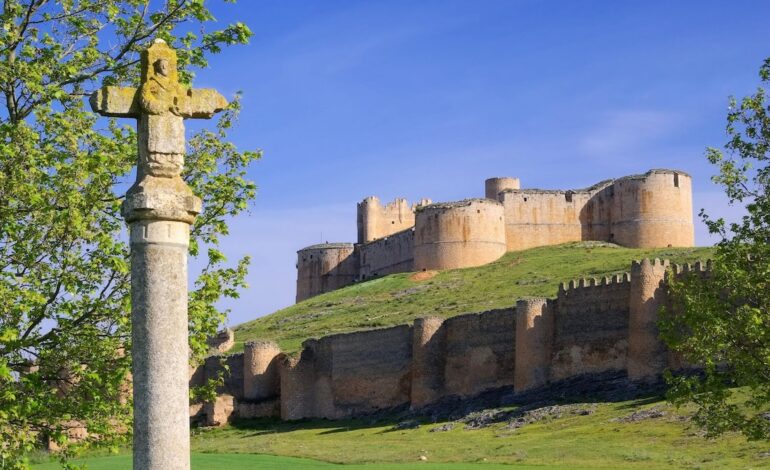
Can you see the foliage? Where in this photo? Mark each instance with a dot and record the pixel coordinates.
(400, 298)
(64, 303)
(722, 322)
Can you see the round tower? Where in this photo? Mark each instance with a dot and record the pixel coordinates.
(325, 267)
(428, 343)
(369, 212)
(653, 210)
(459, 234)
(647, 354)
(494, 186)
(260, 370)
(534, 338)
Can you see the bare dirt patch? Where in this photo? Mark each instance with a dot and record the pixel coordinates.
(423, 276)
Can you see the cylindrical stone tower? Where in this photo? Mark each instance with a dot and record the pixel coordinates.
(494, 186)
(428, 350)
(459, 234)
(325, 267)
(647, 354)
(653, 210)
(261, 378)
(369, 213)
(534, 338)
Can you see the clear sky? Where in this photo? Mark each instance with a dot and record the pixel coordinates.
(429, 98)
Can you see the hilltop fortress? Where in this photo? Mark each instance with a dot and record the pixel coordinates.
(639, 211)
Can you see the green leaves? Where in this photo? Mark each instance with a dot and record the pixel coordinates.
(722, 321)
(64, 274)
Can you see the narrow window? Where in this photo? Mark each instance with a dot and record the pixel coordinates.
(676, 180)
(525, 199)
(568, 196)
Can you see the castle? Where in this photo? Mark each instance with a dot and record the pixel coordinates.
(639, 211)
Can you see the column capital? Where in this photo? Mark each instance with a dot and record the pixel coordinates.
(161, 199)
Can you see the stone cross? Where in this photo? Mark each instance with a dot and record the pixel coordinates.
(159, 209)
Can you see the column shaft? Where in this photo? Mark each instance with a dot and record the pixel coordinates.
(160, 348)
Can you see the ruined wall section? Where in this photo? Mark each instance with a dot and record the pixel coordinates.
(391, 254)
(376, 220)
(325, 267)
(590, 327)
(348, 374)
(479, 352)
(459, 234)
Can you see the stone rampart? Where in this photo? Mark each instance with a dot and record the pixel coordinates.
(479, 352)
(590, 330)
(391, 254)
(592, 327)
(650, 210)
(349, 374)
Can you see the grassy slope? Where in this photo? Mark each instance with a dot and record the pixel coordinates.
(397, 299)
(570, 442)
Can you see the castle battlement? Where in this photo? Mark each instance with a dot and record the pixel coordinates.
(591, 328)
(649, 210)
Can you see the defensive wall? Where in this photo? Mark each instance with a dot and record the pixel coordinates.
(650, 210)
(592, 326)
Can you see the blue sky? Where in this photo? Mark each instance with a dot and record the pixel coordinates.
(428, 98)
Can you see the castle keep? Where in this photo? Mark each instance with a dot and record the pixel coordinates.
(639, 211)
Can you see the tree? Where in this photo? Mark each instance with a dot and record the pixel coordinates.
(64, 304)
(722, 321)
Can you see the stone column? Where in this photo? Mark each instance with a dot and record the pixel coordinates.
(428, 353)
(159, 343)
(534, 338)
(647, 354)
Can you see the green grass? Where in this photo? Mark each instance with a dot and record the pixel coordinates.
(256, 461)
(396, 299)
(571, 441)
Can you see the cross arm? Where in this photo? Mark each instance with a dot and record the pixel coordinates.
(202, 103)
(116, 101)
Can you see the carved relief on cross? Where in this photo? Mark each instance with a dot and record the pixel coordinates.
(160, 105)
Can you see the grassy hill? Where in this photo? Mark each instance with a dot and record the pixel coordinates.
(400, 298)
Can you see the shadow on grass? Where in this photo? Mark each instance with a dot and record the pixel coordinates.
(490, 407)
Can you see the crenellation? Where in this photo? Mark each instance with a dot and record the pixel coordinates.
(592, 326)
(648, 210)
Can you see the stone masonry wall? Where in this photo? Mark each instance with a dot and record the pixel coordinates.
(653, 209)
(388, 255)
(479, 352)
(592, 326)
(377, 221)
